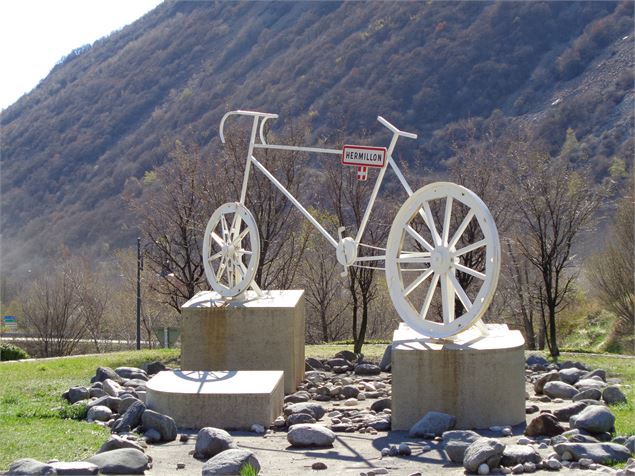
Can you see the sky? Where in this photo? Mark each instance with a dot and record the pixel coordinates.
(36, 34)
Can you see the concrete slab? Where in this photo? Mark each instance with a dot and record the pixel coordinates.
(222, 399)
(479, 379)
(255, 333)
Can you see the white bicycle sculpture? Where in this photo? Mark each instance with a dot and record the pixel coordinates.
(419, 257)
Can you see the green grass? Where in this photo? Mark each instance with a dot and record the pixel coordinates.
(31, 405)
(372, 352)
(618, 367)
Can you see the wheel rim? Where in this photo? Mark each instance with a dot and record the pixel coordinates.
(231, 249)
(442, 277)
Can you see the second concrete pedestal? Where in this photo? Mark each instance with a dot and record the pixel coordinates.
(255, 333)
(478, 379)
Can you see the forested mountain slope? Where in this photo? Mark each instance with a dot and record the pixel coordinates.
(99, 121)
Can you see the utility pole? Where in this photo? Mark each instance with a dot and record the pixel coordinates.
(139, 266)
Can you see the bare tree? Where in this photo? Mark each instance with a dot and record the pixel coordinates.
(51, 311)
(320, 277)
(349, 198)
(94, 295)
(173, 212)
(554, 204)
(612, 272)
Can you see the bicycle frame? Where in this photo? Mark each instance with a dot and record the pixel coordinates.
(257, 132)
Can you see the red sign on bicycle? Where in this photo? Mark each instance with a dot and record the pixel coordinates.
(364, 156)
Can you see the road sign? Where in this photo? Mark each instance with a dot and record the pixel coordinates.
(363, 157)
(9, 323)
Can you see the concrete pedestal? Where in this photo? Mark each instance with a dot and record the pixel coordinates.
(479, 379)
(232, 400)
(256, 333)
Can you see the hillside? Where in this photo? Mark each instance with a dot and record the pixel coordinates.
(99, 121)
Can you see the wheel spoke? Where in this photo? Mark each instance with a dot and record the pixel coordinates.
(221, 268)
(430, 223)
(447, 299)
(457, 235)
(467, 304)
(418, 281)
(472, 247)
(429, 295)
(446, 221)
(470, 271)
(225, 228)
(411, 231)
(238, 240)
(214, 257)
(233, 227)
(217, 239)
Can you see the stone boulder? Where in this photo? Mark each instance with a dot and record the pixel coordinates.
(131, 373)
(112, 388)
(163, 424)
(76, 394)
(99, 413)
(79, 468)
(594, 419)
(306, 434)
(153, 368)
(596, 373)
(386, 361)
(103, 373)
(601, 453)
(612, 395)
(544, 424)
(571, 375)
(367, 369)
(519, 454)
(230, 462)
(537, 360)
(540, 382)
(298, 397)
(111, 402)
(588, 394)
(594, 382)
(565, 413)
(381, 405)
(557, 389)
(130, 419)
(456, 442)
(211, 441)
(116, 442)
(348, 355)
(123, 461)
(433, 424)
(487, 451)
(299, 418)
(30, 466)
(314, 409)
(126, 402)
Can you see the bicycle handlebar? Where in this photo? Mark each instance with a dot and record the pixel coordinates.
(264, 115)
(392, 128)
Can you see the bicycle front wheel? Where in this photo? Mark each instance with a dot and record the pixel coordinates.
(442, 279)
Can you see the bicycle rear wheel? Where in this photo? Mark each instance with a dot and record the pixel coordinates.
(231, 249)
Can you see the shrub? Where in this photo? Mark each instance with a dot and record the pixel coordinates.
(12, 352)
(78, 411)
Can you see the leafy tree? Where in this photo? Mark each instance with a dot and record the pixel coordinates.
(611, 271)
